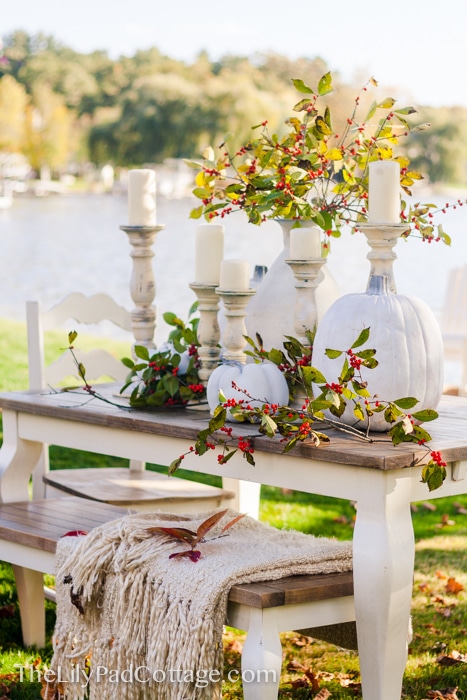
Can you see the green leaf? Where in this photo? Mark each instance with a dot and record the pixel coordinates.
(172, 319)
(173, 466)
(325, 84)
(360, 389)
(218, 419)
(332, 354)
(387, 103)
(301, 87)
(398, 434)
(371, 111)
(333, 398)
(290, 444)
(312, 375)
(406, 110)
(362, 338)
(406, 403)
(420, 434)
(433, 475)
(425, 415)
(226, 457)
(268, 425)
(72, 335)
(170, 384)
(276, 356)
(302, 105)
(249, 458)
(128, 362)
(366, 354)
(358, 412)
(142, 352)
(391, 414)
(371, 363)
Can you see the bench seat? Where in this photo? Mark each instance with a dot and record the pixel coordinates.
(29, 532)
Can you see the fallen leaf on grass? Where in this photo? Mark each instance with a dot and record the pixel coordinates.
(7, 610)
(235, 646)
(323, 694)
(445, 521)
(301, 641)
(444, 694)
(455, 658)
(424, 588)
(454, 586)
(429, 506)
(308, 678)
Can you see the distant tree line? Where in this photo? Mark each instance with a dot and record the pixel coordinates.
(59, 107)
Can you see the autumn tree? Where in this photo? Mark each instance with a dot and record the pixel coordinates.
(13, 101)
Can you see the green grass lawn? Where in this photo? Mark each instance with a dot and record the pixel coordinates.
(438, 651)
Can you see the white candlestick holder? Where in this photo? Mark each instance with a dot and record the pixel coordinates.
(235, 304)
(306, 274)
(382, 238)
(142, 283)
(208, 329)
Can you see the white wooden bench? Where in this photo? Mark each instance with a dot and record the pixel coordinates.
(29, 532)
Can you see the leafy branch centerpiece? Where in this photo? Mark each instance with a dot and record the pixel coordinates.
(311, 173)
(167, 376)
(321, 406)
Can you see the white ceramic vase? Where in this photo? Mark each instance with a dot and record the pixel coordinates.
(271, 311)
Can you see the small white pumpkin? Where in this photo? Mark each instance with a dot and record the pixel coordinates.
(408, 343)
(264, 382)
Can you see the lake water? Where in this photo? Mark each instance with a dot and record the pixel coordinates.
(50, 246)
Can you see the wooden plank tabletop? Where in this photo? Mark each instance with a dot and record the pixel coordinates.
(449, 431)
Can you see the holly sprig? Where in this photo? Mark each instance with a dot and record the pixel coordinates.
(322, 403)
(167, 376)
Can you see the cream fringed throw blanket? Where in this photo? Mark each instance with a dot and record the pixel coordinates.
(153, 625)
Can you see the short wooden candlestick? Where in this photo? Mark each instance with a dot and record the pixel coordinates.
(382, 238)
(306, 281)
(208, 329)
(142, 283)
(233, 340)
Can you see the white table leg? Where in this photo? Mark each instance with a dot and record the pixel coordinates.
(30, 588)
(17, 460)
(247, 495)
(383, 573)
(261, 656)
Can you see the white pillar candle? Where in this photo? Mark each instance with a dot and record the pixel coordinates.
(209, 251)
(384, 198)
(235, 276)
(305, 243)
(142, 198)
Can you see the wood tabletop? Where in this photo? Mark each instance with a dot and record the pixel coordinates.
(449, 430)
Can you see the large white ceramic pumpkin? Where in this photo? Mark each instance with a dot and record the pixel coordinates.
(264, 382)
(408, 343)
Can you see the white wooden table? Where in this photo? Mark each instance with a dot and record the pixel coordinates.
(380, 478)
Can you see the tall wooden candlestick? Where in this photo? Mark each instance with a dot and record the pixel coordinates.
(142, 283)
(233, 340)
(208, 329)
(382, 239)
(306, 281)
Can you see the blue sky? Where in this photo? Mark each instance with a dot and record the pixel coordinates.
(415, 45)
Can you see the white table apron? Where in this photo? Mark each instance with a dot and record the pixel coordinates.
(383, 542)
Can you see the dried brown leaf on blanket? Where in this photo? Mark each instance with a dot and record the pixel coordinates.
(193, 538)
